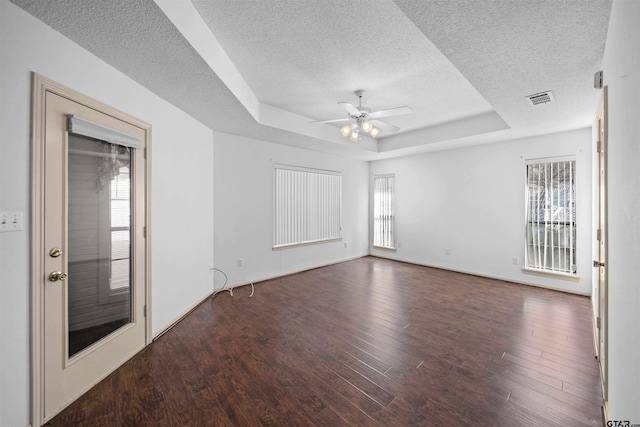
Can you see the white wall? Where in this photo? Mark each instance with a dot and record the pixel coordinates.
(472, 202)
(438, 193)
(244, 209)
(182, 188)
(621, 66)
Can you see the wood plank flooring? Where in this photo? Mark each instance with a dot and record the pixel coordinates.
(369, 342)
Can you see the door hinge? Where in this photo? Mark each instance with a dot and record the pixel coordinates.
(598, 322)
(144, 311)
(598, 234)
(145, 153)
(598, 148)
(144, 231)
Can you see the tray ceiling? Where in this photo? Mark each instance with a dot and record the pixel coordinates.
(266, 69)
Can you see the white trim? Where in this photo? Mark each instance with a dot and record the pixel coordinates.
(488, 276)
(286, 166)
(596, 344)
(245, 282)
(290, 272)
(39, 88)
(384, 248)
(312, 242)
(552, 159)
(179, 317)
(384, 175)
(79, 126)
(552, 274)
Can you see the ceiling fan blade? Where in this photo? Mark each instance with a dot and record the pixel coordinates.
(384, 126)
(350, 108)
(398, 111)
(332, 120)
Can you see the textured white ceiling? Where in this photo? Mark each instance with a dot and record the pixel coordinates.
(509, 49)
(465, 66)
(305, 56)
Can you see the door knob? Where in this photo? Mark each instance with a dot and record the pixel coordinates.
(54, 276)
(598, 264)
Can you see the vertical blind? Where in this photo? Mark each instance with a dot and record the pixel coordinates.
(383, 211)
(551, 216)
(307, 206)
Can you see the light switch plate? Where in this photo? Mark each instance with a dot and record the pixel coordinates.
(11, 221)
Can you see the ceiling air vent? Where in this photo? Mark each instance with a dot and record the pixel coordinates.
(540, 98)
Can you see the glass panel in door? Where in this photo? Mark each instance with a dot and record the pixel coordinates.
(99, 241)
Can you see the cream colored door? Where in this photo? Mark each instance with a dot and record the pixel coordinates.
(601, 263)
(93, 278)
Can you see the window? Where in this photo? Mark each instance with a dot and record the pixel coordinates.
(551, 216)
(307, 205)
(120, 232)
(111, 151)
(383, 211)
(114, 192)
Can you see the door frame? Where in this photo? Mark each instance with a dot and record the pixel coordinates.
(602, 314)
(40, 86)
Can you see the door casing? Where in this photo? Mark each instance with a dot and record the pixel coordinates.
(602, 329)
(40, 87)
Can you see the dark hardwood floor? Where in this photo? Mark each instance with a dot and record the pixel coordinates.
(363, 343)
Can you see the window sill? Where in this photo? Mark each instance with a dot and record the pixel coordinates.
(552, 274)
(312, 242)
(384, 248)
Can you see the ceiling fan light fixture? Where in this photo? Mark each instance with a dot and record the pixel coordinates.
(345, 130)
(358, 119)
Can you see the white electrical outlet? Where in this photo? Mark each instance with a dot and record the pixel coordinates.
(11, 221)
(240, 262)
(515, 260)
(447, 251)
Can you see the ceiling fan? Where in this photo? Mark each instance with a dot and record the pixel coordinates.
(363, 119)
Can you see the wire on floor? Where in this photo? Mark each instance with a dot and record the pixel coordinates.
(226, 280)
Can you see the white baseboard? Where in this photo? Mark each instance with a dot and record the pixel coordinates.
(180, 316)
(244, 282)
(473, 273)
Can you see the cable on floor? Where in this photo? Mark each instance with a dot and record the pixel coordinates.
(226, 280)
